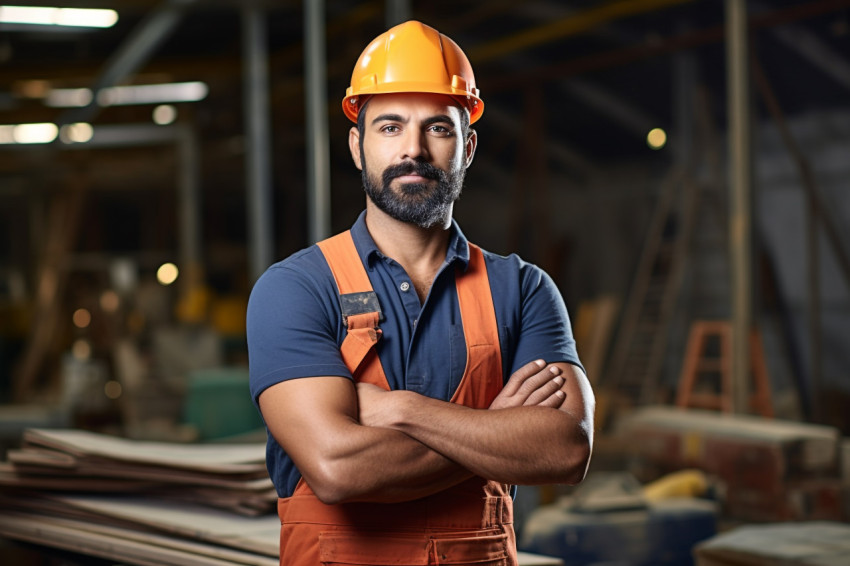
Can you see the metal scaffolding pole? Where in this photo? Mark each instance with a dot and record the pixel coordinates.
(318, 151)
(685, 106)
(397, 12)
(740, 177)
(257, 121)
(189, 198)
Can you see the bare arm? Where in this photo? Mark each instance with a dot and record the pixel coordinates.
(517, 444)
(316, 421)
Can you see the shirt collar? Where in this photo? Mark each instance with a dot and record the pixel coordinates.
(367, 249)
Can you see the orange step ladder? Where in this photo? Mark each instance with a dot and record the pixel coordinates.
(698, 365)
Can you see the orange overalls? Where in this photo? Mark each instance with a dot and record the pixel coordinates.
(471, 523)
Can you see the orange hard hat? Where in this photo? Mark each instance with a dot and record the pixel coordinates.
(412, 57)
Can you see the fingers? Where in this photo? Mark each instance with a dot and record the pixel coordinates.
(534, 384)
(522, 374)
(541, 379)
(554, 401)
(546, 384)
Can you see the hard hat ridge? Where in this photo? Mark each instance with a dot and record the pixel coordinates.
(413, 57)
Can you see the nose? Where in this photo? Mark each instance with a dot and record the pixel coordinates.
(415, 145)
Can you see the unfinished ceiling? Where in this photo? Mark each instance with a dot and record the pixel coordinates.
(599, 74)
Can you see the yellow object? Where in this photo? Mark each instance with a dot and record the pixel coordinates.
(412, 57)
(228, 315)
(686, 483)
(193, 305)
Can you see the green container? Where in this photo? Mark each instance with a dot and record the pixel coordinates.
(218, 403)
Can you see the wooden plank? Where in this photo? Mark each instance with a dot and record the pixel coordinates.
(253, 534)
(816, 445)
(257, 481)
(212, 458)
(127, 546)
(815, 543)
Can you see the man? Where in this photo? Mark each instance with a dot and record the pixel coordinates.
(380, 357)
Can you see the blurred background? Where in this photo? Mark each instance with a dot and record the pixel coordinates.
(680, 167)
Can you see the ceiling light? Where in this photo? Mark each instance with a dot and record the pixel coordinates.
(48, 16)
(68, 97)
(167, 273)
(164, 114)
(656, 138)
(80, 132)
(152, 94)
(127, 95)
(28, 133)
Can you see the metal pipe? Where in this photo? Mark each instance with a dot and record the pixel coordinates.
(684, 104)
(318, 150)
(397, 12)
(131, 55)
(257, 121)
(740, 176)
(189, 200)
(814, 304)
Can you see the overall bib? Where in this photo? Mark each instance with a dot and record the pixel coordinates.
(471, 523)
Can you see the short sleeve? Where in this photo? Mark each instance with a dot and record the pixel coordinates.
(293, 328)
(545, 330)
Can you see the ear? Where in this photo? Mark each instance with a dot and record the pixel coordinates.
(469, 147)
(354, 147)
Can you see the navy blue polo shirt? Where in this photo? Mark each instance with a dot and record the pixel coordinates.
(295, 327)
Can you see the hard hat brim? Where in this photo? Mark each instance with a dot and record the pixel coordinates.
(352, 103)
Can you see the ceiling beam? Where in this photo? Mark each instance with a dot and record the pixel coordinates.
(131, 55)
(816, 52)
(686, 40)
(573, 24)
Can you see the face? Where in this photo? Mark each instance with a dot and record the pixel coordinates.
(413, 156)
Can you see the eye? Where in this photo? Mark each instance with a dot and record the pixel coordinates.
(390, 129)
(439, 130)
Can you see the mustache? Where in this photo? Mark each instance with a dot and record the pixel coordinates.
(420, 168)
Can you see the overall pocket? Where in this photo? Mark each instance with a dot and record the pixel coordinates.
(402, 549)
(488, 550)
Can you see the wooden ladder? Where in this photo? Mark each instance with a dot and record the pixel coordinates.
(633, 375)
(707, 356)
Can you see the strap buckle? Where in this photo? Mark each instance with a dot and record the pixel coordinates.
(359, 303)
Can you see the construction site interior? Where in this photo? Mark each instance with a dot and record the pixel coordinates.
(681, 169)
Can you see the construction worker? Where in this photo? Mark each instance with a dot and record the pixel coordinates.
(406, 377)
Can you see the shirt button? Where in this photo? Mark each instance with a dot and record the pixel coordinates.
(405, 286)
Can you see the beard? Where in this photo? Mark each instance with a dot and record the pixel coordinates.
(415, 203)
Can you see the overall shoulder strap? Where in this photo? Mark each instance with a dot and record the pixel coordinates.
(482, 380)
(361, 311)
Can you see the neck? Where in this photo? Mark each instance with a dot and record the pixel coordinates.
(420, 251)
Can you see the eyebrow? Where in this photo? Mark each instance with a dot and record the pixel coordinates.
(439, 118)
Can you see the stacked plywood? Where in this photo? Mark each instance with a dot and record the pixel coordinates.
(229, 476)
(140, 502)
(144, 531)
(767, 470)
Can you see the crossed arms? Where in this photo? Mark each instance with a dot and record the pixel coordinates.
(357, 442)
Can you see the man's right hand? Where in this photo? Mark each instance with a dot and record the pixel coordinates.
(534, 384)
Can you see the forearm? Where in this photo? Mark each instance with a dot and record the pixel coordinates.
(520, 445)
(315, 421)
(538, 430)
(380, 465)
